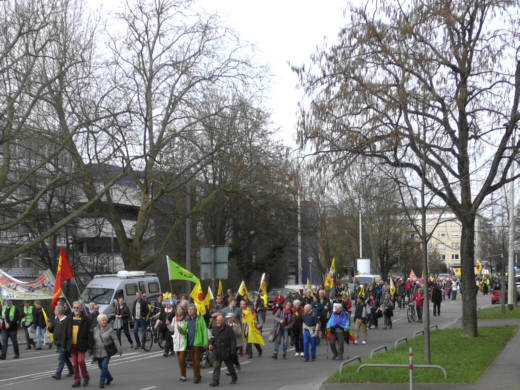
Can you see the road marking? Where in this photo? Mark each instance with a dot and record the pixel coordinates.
(128, 358)
(149, 388)
(24, 359)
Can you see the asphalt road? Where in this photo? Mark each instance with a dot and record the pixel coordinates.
(150, 370)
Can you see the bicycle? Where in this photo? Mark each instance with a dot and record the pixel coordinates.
(410, 312)
(152, 335)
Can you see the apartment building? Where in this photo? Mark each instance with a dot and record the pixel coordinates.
(447, 230)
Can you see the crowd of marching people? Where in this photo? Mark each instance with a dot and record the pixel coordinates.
(231, 327)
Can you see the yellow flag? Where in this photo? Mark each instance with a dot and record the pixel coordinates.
(263, 289)
(478, 267)
(361, 292)
(309, 287)
(242, 289)
(392, 287)
(457, 271)
(333, 265)
(219, 291)
(208, 298)
(254, 336)
(198, 299)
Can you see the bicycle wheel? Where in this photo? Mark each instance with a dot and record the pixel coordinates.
(409, 314)
(147, 340)
(161, 340)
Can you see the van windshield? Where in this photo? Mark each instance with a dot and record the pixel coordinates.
(99, 295)
(365, 279)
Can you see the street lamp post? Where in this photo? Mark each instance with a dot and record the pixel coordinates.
(310, 269)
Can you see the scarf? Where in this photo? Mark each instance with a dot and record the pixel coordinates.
(338, 320)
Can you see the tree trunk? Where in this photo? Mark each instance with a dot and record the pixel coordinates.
(469, 296)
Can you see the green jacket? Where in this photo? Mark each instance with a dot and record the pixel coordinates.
(201, 333)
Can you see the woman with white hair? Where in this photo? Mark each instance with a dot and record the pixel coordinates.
(106, 345)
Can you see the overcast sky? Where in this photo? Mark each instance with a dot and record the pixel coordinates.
(283, 31)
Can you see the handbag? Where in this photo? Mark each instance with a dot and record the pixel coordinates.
(118, 323)
(379, 313)
(110, 348)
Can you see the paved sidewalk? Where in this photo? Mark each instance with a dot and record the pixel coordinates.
(502, 374)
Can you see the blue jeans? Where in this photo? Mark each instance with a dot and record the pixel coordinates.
(282, 336)
(9, 334)
(308, 339)
(103, 366)
(139, 324)
(63, 358)
(39, 336)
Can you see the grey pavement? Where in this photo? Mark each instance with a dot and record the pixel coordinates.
(150, 370)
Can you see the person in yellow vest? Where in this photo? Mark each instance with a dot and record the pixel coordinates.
(11, 321)
(28, 322)
(40, 323)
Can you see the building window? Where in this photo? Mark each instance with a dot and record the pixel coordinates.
(443, 257)
(442, 235)
(454, 256)
(455, 245)
(455, 234)
(441, 246)
(412, 236)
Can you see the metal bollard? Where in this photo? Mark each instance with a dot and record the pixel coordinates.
(410, 361)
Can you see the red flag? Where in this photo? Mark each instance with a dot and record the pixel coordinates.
(63, 273)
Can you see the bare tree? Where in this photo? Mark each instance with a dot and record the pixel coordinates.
(444, 63)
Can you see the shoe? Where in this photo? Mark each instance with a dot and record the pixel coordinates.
(233, 381)
(284, 357)
(297, 354)
(39, 348)
(56, 376)
(182, 379)
(70, 374)
(101, 386)
(16, 357)
(76, 384)
(197, 380)
(165, 354)
(313, 359)
(333, 357)
(29, 347)
(109, 381)
(131, 346)
(306, 359)
(363, 342)
(260, 354)
(85, 381)
(213, 384)
(275, 356)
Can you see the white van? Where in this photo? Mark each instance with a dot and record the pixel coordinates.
(104, 289)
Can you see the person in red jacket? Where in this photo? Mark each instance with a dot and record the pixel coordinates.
(418, 298)
(279, 299)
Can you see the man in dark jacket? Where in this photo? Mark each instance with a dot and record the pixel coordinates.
(223, 346)
(139, 313)
(62, 330)
(11, 320)
(39, 323)
(81, 342)
(436, 299)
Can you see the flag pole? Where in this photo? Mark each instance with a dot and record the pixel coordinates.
(169, 278)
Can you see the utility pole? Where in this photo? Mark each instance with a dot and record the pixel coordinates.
(188, 230)
(511, 254)
(360, 234)
(299, 240)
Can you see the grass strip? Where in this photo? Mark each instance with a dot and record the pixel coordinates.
(495, 313)
(465, 359)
